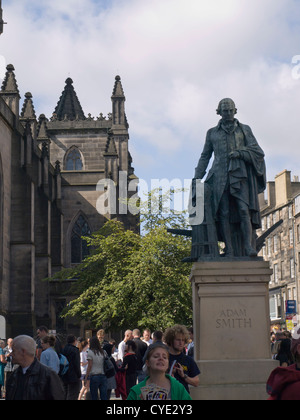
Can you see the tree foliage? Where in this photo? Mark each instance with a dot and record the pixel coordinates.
(131, 280)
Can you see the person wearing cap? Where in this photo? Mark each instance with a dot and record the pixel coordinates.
(284, 382)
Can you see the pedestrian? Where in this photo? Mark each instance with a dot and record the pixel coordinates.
(42, 331)
(8, 369)
(157, 338)
(158, 385)
(278, 337)
(95, 370)
(71, 379)
(191, 345)
(32, 381)
(183, 367)
(272, 341)
(130, 365)
(111, 380)
(83, 347)
(101, 337)
(121, 346)
(284, 382)
(140, 351)
(49, 356)
(147, 336)
(284, 354)
(2, 365)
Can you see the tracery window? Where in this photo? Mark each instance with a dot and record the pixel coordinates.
(79, 248)
(73, 160)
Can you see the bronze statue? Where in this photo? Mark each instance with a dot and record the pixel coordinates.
(233, 183)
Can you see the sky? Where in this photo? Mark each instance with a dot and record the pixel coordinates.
(177, 59)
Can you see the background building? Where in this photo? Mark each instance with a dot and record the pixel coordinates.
(282, 246)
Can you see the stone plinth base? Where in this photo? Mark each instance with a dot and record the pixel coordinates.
(232, 329)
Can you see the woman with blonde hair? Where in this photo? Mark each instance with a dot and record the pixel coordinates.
(158, 385)
(49, 356)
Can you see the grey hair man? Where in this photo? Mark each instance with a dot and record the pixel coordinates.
(32, 380)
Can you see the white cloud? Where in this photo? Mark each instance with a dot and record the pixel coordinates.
(176, 58)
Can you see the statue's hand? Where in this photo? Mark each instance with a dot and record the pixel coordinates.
(234, 155)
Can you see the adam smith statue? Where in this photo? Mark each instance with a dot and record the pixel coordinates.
(235, 179)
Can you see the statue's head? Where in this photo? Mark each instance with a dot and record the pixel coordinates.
(227, 109)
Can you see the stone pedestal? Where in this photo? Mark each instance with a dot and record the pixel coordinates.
(232, 329)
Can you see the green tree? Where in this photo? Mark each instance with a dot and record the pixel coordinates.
(133, 280)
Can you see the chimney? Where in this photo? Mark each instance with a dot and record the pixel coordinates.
(283, 187)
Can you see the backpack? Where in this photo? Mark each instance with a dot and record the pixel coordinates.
(64, 365)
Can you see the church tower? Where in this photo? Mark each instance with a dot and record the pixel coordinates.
(50, 170)
(89, 150)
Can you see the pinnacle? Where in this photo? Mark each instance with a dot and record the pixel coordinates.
(9, 84)
(28, 111)
(68, 106)
(118, 89)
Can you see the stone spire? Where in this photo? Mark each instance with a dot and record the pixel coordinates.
(28, 114)
(118, 89)
(10, 91)
(28, 111)
(68, 107)
(42, 130)
(9, 84)
(110, 148)
(118, 104)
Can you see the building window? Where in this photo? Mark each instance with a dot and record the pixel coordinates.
(263, 224)
(79, 248)
(292, 268)
(290, 211)
(291, 237)
(73, 161)
(275, 243)
(269, 247)
(294, 297)
(275, 306)
(297, 204)
(276, 273)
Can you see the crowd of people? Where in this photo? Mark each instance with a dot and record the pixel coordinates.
(158, 366)
(284, 381)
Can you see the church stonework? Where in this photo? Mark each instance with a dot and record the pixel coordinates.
(49, 171)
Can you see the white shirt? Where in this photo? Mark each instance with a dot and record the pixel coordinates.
(121, 350)
(98, 362)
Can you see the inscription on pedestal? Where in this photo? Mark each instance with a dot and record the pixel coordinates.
(233, 318)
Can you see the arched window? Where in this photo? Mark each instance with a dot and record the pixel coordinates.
(79, 248)
(73, 161)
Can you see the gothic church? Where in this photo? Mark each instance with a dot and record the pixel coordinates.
(49, 171)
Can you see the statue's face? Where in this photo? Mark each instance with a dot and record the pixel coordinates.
(227, 111)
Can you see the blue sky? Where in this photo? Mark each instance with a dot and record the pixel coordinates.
(176, 59)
